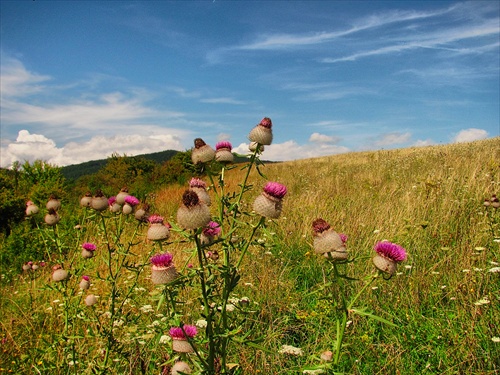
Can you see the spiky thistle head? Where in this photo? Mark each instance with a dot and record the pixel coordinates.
(190, 199)
(319, 226)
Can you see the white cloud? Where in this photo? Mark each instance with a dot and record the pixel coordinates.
(469, 135)
(223, 137)
(291, 150)
(31, 147)
(281, 41)
(223, 100)
(322, 138)
(423, 142)
(431, 40)
(17, 81)
(393, 138)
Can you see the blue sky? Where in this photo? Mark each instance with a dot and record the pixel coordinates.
(82, 80)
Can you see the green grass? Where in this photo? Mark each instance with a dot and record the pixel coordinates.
(429, 200)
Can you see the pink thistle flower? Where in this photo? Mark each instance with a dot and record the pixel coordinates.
(86, 278)
(196, 182)
(111, 200)
(275, 190)
(320, 225)
(223, 145)
(212, 229)
(89, 246)
(42, 264)
(266, 122)
(155, 219)
(131, 200)
(178, 332)
(162, 260)
(343, 237)
(390, 250)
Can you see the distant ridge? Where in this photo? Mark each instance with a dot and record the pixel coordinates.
(74, 171)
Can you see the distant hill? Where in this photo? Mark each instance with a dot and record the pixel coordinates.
(74, 171)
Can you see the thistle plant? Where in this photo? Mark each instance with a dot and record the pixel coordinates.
(220, 244)
(336, 288)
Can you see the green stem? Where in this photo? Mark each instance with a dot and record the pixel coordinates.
(372, 278)
(206, 309)
(245, 249)
(340, 323)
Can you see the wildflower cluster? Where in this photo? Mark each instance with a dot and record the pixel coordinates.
(207, 240)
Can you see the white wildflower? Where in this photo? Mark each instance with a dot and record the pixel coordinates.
(289, 349)
(201, 323)
(317, 371)
(164, 339)
(147, 308)
(482, 301)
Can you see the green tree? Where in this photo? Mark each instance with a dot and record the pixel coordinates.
(12, 205)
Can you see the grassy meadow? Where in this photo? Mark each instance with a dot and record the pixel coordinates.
(444, 301)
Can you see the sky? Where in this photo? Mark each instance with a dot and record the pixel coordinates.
(82, 80)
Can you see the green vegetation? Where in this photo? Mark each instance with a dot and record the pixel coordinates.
(439, 314)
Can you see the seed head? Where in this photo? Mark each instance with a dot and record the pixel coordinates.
(190, 198)
(319, 226)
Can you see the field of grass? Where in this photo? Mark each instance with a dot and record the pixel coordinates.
(444, 301)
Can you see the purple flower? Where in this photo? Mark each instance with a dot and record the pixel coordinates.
(178, 333)
(86, 278)
(111, 200)
(42, 264)
(196, 182)
(223, 144)
(275, 189)
(89, 246)
(131, 200)
(162, 260)
(212, 229)
(155, 219)
(266, 122)
(390, 250)
(343, 237)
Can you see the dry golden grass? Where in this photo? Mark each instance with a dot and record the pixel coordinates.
(429, 200)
